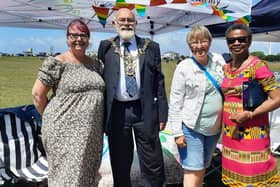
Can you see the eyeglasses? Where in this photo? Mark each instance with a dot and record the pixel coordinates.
(125, 20)
(242, 39)
(75, 36)
(202, 42)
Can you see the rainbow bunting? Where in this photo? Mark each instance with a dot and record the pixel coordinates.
(222, 13)
(141, 10)
(199, 4)
(245, 20)
(122, 4)
(102, 14)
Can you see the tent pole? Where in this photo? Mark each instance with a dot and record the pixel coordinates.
(269, 48)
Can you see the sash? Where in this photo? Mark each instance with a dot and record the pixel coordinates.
(209, 76)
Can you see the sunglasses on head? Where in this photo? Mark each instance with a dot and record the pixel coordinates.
(242, 39)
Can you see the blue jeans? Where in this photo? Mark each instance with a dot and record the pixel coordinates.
(197, 154)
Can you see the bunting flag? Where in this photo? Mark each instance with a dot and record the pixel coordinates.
(102, 14)
(179, 1)
(141, 10)
(245, 20)
(157, 2)
(199, 3)
(122, 4)
(222, 13)
(167, 16)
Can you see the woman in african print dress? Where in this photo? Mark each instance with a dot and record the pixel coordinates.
(246, 158)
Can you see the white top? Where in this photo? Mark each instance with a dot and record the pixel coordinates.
(188, 92)
(121, 94)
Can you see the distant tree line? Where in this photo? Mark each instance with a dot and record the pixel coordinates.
(269, 58)
(260, 54)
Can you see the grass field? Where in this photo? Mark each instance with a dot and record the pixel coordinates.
(17, 75)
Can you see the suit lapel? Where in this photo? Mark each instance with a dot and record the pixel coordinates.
(115, 58)
(140, 44)
(113, 63)
(116, 55)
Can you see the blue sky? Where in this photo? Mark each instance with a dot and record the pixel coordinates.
(17, 40)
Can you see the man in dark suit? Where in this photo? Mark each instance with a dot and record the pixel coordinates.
(136, 104)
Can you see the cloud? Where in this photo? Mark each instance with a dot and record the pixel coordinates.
(174, 41)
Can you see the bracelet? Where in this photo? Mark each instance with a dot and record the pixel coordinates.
(250, 116)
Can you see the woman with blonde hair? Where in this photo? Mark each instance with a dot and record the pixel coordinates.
(196, 105)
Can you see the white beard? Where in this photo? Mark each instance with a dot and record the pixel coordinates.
(125, 34)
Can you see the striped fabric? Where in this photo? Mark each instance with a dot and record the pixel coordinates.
(21, 151)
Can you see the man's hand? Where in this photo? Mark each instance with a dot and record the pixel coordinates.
(162, 126)
(181, 141)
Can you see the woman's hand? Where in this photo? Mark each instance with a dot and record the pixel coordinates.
(181, 141)
(240, 117)
(162, 126)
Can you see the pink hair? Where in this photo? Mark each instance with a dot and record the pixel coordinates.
(80, 25)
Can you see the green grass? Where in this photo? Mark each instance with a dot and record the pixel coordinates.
(17, 75)
(168, 70)
(274, 66)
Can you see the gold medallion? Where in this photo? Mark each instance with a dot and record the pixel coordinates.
(130, 69)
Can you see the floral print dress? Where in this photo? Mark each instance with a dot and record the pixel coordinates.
(72, 122)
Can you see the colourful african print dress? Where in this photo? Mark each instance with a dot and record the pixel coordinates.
(247, 160)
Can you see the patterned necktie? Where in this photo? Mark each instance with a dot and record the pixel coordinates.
(130, 78)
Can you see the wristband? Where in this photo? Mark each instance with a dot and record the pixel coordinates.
(250, 116)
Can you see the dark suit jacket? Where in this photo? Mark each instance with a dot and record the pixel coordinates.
(153, 96)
